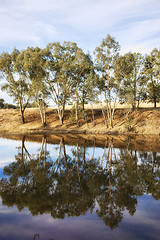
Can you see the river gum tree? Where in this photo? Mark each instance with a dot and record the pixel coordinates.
(152, 76)
(34, 66)
(67, 67)
(59, 69)
(15, 81)
(105, 55)
(133, 89)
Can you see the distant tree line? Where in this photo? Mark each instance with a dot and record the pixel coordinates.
(6, 105)
(64, 73)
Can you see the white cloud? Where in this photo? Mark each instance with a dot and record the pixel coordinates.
(135, 24)
(33, 21)
(141, 36)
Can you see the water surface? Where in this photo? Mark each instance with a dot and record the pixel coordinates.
(78, 190)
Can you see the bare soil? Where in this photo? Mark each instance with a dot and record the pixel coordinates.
(144, 121)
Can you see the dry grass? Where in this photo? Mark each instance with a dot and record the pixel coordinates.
(144, 121)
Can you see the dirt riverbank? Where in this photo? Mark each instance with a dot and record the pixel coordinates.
(144, 121)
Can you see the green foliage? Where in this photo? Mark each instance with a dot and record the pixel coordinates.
(106, 55)
(1, 103)
(133, 90)
(16, 84)
(65, 73)
(81, 113)
(34, 62)
(60, 70)
(128, 124)
(6, 105)
(152, 76)
(68, 68)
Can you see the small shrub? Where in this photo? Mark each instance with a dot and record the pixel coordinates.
(128, 124)
(72, 117)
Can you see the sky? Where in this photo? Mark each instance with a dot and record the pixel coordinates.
(135, 24)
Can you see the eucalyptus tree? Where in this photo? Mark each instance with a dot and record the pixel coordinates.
(34, 66)
(81, 79)
(59, 68)
(66, 66)
(15, 81)
(106, 54)
(88, 91)
(151, 73)
(133, 87)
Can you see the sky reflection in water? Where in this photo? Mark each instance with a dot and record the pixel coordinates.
(87, 219)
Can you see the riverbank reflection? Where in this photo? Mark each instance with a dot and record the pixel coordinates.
(64, 182)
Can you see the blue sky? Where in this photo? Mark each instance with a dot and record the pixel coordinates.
(134, 23)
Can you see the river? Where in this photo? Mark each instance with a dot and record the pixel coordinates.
(63, 188)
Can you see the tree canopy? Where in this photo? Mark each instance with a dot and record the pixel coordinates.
(66, 74)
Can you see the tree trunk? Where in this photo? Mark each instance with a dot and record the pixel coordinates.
(93, 115)
(43, 116)
(41, 151)
(22, 150)
(61, 111)
(83, 104)
(154, 93)
(109, 107)
(154, 97)
(64, 151)
(133, 107)
(108, 112)
(22, 117)
(22, 114)
(22, 109)
(76, 110)
(45, 150)
(60, 114)
(114, 107)
(104, 115)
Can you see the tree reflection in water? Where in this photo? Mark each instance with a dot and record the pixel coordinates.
(76, 183)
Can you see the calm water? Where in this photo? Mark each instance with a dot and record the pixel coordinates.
(77, 191)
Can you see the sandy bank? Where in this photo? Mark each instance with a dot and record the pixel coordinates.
(145, 121)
